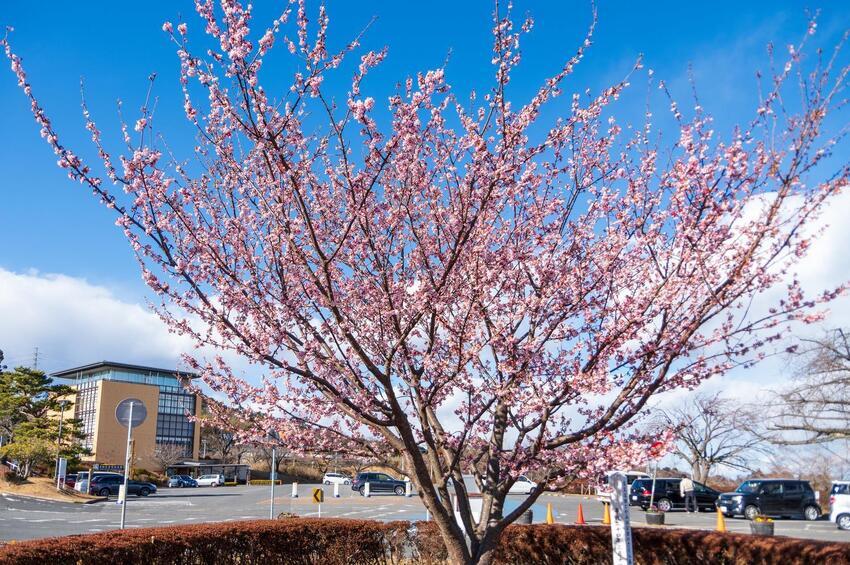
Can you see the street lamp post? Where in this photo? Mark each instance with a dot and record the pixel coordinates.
(62, 404)
(273, 474)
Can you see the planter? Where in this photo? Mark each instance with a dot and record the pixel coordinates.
(761, 528)
(655, 518)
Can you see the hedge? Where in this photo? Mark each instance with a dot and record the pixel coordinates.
(311, 541)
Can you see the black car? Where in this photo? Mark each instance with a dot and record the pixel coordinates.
(771, 497)
(668, 496)
(110, 484)
(378, 482)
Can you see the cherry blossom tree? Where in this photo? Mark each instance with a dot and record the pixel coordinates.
(455, 281)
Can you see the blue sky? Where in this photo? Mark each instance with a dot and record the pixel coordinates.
(51, 225)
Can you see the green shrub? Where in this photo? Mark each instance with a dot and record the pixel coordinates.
(265, 482)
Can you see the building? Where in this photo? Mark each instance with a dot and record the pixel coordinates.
(101, 386)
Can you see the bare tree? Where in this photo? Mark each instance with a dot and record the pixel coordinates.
(167, 454)
(816, 407)
(713, 431)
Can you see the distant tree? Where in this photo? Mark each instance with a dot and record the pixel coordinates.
(220, 427)
(816, 407)
(712, 432)
(28, 395)
(167, 454)
(28, 452)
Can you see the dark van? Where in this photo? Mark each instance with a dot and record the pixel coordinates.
(668, 496)
(771, 497)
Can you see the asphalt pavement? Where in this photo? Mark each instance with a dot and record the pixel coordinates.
(27, 518)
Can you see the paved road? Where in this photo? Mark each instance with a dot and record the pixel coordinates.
(23, 518)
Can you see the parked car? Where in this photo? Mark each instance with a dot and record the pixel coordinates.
(336, 478)
(82, 481)
(70, 480)
(215, 480)
(378, 482)
(110, 484)
(668, 496)
(839, 504)
(771, 497)
(604, 491)
(523, 485)
(181, 481)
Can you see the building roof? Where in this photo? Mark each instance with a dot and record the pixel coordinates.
(71, 373)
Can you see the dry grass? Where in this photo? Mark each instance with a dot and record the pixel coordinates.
(42, 487)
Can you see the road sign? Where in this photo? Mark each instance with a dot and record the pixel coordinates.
(318, 495)
(621, 529)
(123, 412)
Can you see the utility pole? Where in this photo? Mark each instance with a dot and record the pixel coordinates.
(35, 359)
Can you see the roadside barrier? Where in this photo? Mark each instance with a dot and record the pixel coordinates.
(580, 517)
(294, 490)
(336, 490)
(550, 519)
(366, 492)
(606, 514)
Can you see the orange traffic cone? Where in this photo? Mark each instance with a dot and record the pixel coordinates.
(580, 516)
(721, 521)
(606, 516)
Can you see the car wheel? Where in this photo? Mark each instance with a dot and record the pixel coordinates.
(362, 490)
(399, 490)
(664, 505)
(103, 492)
(843, 522)
(811, 513)
(327, 482)
(346, 482)
(750, 512)
(144, 491)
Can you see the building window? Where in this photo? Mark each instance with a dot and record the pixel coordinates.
(172, 422)
(85, 410)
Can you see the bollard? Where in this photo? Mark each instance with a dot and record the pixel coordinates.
(336, 490)
(294, 490)
(550, 518)
(408, 489)
(606, 515)
(366, 490)
(526, 517)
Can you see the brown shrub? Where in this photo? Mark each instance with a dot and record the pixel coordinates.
(336, 542)
(299, 541)
(542, 544)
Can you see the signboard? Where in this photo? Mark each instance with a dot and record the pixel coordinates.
(318, 495)
(62, 471)
(621, 529)
(123, 410)
(108, 468)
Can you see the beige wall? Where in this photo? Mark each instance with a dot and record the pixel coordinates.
(110, 437)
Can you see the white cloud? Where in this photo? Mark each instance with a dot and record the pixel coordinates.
(74, 322)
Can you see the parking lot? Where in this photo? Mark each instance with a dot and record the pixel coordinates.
(26, 518)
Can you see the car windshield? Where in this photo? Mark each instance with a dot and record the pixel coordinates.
(749, 487)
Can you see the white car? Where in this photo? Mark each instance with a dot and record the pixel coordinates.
(604, 491)
(210, 480)
(839, 504)
(336, 479)
(523, 485)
